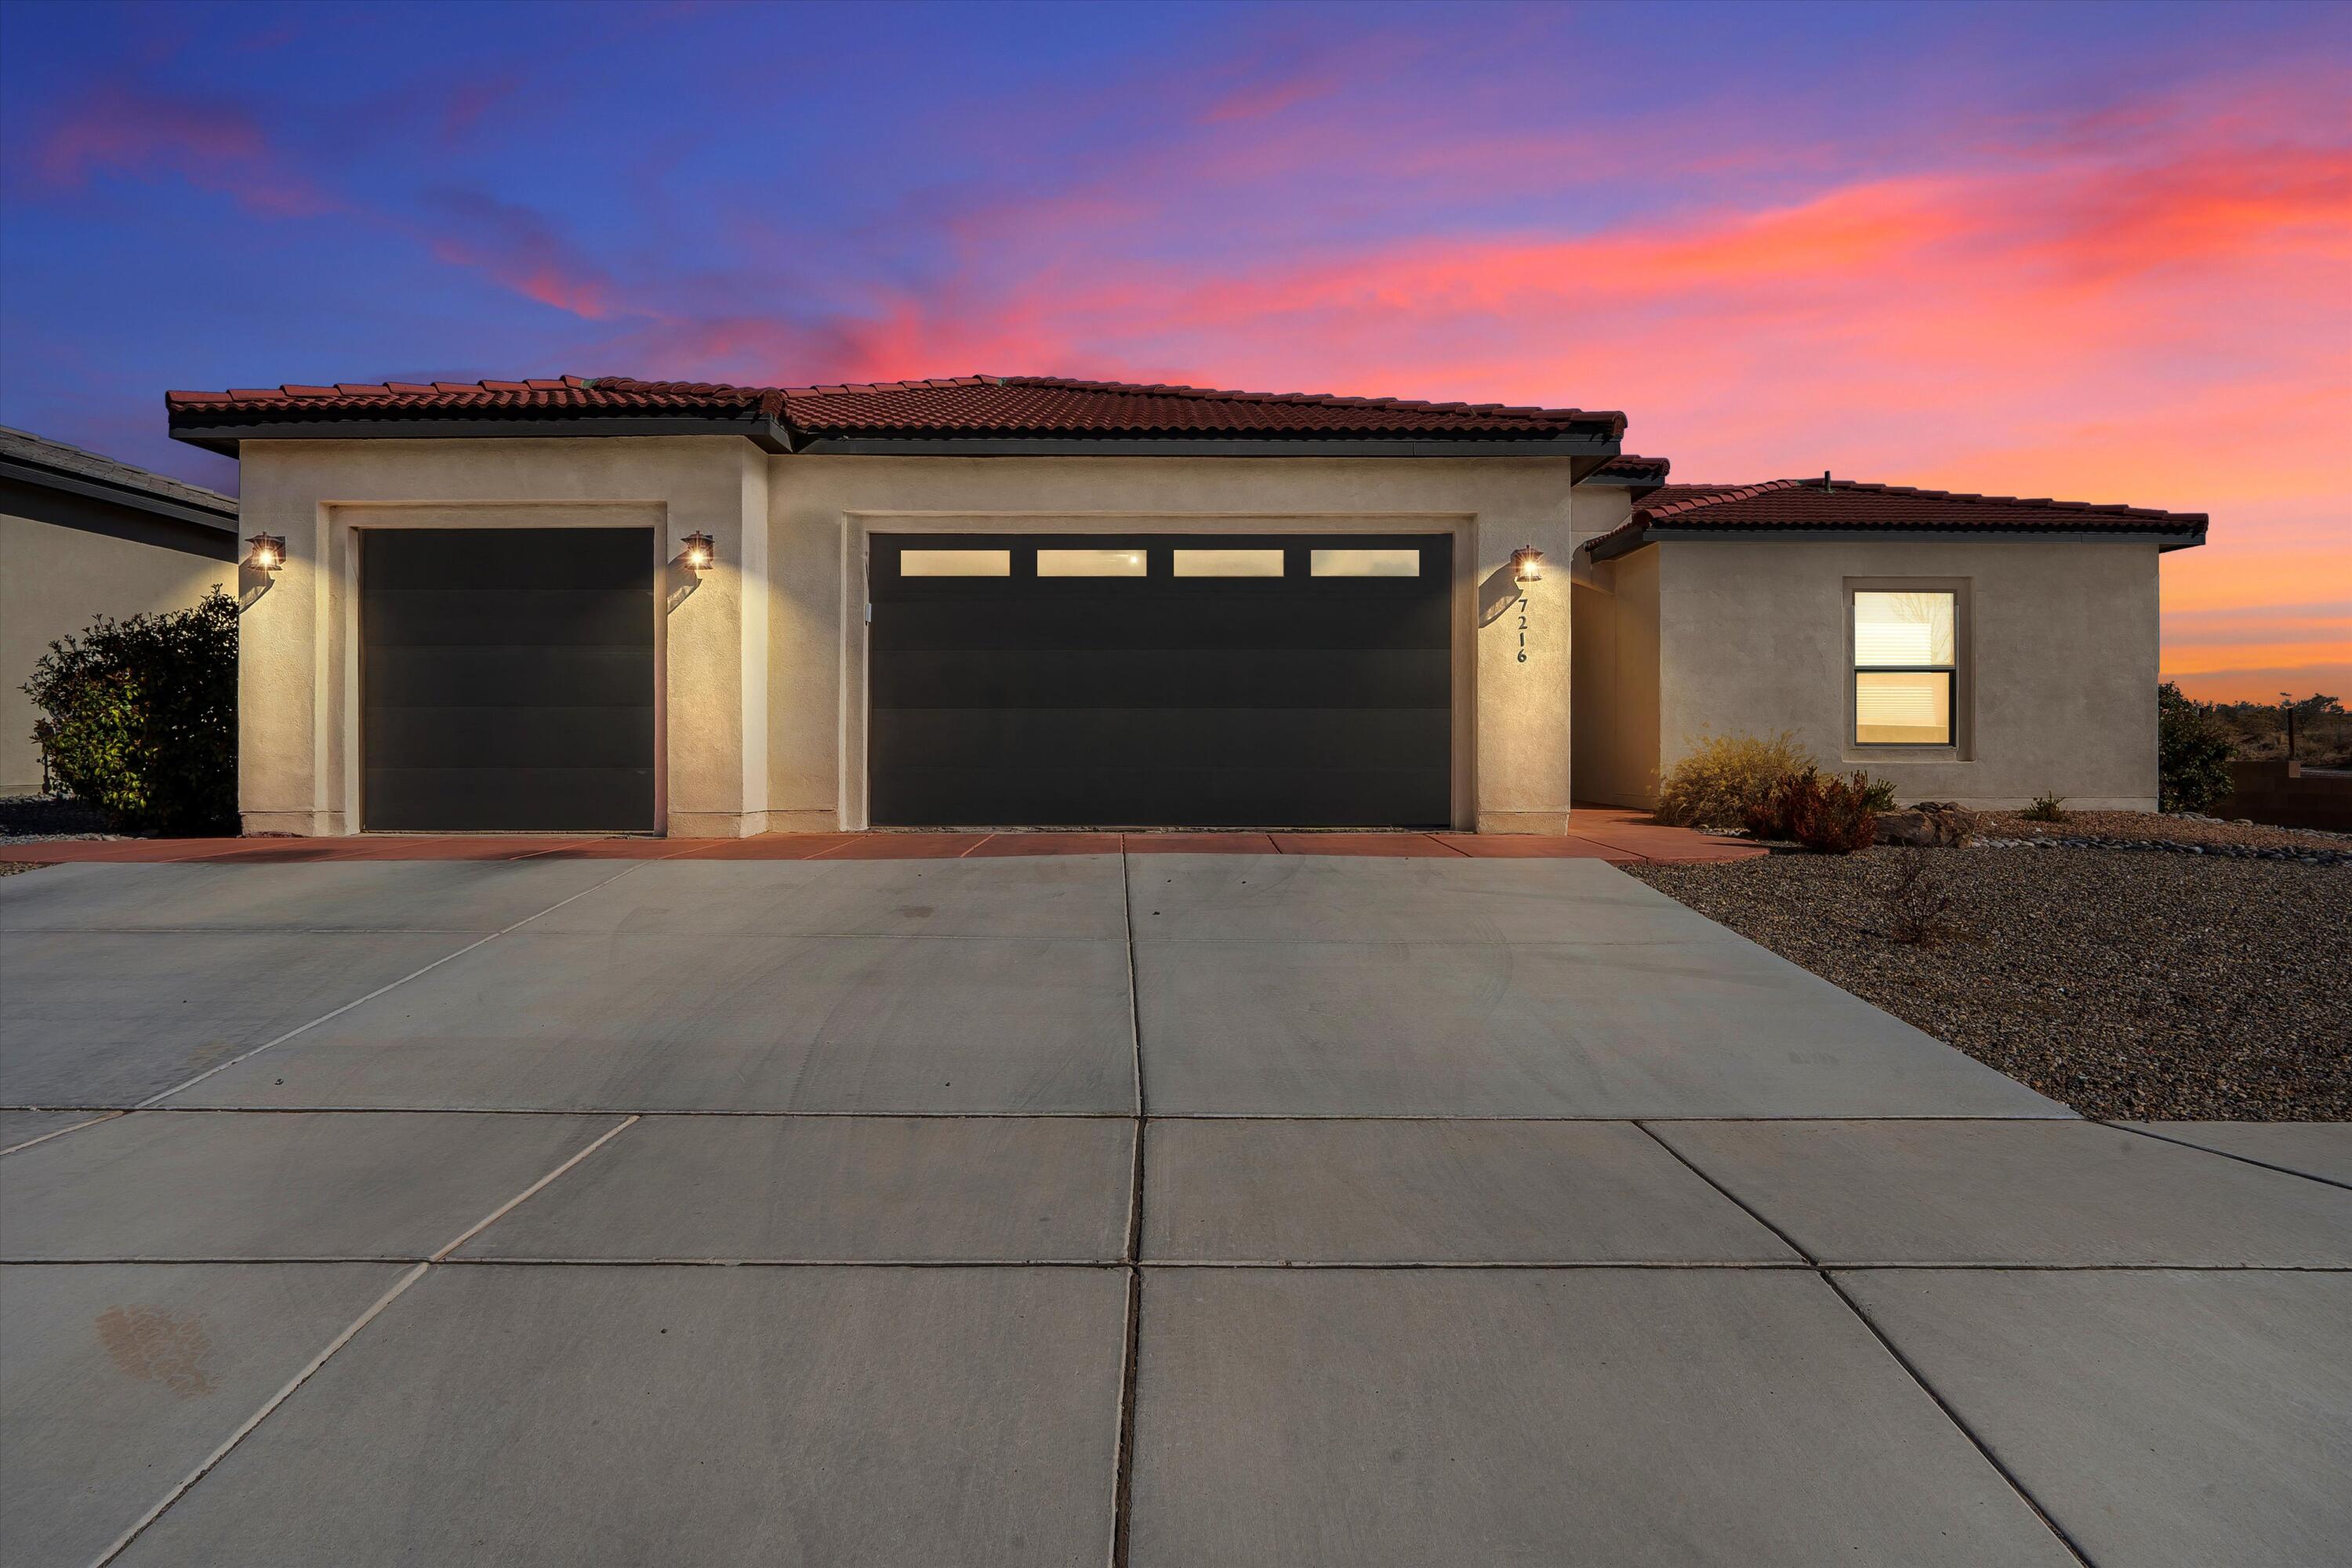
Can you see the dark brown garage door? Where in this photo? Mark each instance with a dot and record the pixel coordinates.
(506, 679)
(1180, 682)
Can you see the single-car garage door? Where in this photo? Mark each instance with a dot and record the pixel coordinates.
(506, 679)
(1300, 681)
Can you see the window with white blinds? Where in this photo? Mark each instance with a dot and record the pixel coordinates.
(1906, 666)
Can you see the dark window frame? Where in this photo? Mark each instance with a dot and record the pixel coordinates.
(1856, 669)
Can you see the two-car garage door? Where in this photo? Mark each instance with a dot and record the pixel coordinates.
(1208, 681)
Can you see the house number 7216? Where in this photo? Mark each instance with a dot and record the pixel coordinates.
(1522, 608)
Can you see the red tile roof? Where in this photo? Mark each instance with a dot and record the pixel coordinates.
(969, 406)
(1812, 506)
(1626, 467)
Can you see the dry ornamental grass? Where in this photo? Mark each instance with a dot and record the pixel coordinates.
(2124, 983)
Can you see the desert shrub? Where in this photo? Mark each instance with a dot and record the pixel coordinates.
(1820, 812)
(2046, 809)
(1880, 794)
(2193, 748)
(138, 718)
(1724, 776)
(1918, 904)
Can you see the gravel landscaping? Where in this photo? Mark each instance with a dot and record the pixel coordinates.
(2179, 833)
(2145, 986)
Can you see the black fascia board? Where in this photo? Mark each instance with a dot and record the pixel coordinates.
(1569, 446)
(222, 433)
(1609, 546)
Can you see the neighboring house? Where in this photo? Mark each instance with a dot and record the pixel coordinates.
(83, 536)
(1028, 601)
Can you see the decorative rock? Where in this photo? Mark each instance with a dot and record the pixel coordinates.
(1931, 825)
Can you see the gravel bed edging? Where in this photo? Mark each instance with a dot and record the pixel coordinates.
(2313, 857)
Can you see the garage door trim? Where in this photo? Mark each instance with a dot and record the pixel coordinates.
(343, 522)
(856, 696)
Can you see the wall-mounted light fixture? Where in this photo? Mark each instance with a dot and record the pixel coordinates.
(700, 550)
(267, 553)
(1526, 564)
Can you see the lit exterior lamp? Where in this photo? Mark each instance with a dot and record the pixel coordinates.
(1526, 564)
(700, 550)
(267, 553)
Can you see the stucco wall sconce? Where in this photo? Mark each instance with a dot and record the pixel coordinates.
(1526, 564)
(698, 554)
(264, 555)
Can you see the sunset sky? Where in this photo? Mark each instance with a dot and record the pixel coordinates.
(2101, 252)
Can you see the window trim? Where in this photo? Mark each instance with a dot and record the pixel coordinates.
(1960, 686)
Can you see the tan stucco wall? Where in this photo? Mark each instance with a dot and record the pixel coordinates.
(764, 711)
(1616, 688)
(2058, 655)
(54, 582)
(297, 681)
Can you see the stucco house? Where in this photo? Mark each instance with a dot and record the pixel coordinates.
(83, 536)
(571, 605)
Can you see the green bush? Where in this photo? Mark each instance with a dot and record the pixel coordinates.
(1724, 776)
(2193, 748)
(1880, 794)
(140, 718)
(1829, 814)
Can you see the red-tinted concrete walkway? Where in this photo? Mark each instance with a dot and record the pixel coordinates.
(1599, 833)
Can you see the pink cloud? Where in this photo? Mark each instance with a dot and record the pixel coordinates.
(138, 133)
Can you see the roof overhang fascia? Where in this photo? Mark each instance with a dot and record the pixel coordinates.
(223, 434)
(1596, 446)
(118, 495)
(1609, 546)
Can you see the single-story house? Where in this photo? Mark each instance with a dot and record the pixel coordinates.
(83, 536)
(567, 604)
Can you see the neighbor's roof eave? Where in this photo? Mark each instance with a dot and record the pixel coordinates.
(36, 459)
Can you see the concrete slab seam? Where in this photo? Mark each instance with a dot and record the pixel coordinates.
(399, 1285)
(2183, 1143)
(1240, 1264)
(323, 1017)
(205, 1465)
(1974, 1441)
(1122, 1478)
(60, 1132)
(523, 1196)
(1822, 1273)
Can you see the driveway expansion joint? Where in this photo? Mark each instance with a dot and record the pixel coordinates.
(2202, 1148)
(156, 1100)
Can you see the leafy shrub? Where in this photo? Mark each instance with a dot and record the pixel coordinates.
(2046, 809)
(2193, 748)
(1880, 794)
(1828, 813)
(1725, 774)
(140, 718)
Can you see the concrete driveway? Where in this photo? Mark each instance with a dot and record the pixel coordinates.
(1146, 1208)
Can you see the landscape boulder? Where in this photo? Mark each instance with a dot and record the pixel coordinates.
(1931, 825)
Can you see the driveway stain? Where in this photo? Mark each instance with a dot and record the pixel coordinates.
(154, 1344)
